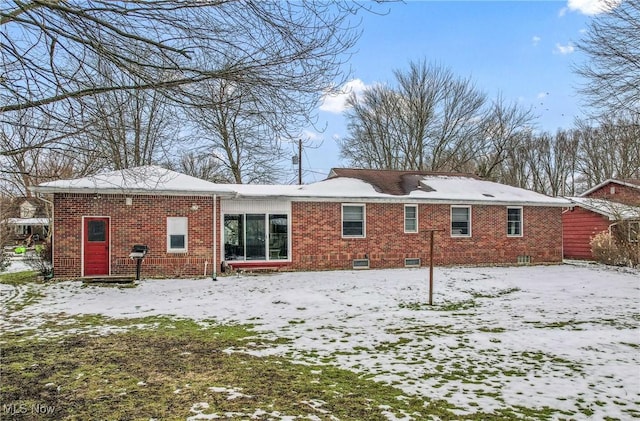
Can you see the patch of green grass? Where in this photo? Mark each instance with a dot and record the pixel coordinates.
(161, 372)
(500, 293)
(427, 331)
(452, 306)
(18, 278)
(26, 290)
(159, 367)
(388, 346)
(456, 306)
(491, 329)
(571, 324)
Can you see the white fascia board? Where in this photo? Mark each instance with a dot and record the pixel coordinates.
(120, 191)
(557, 202)
(610, 180)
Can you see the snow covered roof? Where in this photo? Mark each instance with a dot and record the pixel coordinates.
(404, 186)
(28, 221)
(612, 210)
(140, 180)
(342, 184)
(629, 183)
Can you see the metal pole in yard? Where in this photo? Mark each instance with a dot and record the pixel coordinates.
(431, 268)
(431, 247)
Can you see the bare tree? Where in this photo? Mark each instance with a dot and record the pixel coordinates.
(612, 45)
(610, 149)
(427, 122)
(432, 121)
(376, 132)
(204, 167)
(50, 50)
(28, 155)
(552, 162)
(127, 128)
(235, 128)
(504, 128)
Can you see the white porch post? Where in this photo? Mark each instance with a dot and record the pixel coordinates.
(215, 238)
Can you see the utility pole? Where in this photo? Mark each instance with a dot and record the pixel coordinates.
(299, 161)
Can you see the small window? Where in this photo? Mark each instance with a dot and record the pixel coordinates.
(634, 232)
(412, 262)
(353, 217)
(514, 222)
(461, 221)
(177, 229)
(361, 263)
(411, 218)
(97, 231)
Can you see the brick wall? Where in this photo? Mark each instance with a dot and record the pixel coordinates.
(617, 193)
(142, 222)
(318, 243)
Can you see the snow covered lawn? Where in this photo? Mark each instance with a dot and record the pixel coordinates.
(561, 338)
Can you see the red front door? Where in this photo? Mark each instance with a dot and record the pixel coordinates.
(96, 246)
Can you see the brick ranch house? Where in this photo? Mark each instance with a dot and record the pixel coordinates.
(597, 210)
(354, 218)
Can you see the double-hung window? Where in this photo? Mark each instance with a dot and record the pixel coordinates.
(177, 234)
(514, 222)
(353, 221)
(410, 218)
(461, 221)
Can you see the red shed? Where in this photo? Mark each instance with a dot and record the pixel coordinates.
(588, 217)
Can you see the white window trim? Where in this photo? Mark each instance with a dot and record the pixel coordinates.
(521, 222)
(451, 221)
(266, 214)
(364, 220)
(185, 249)
(631, 224)
(405, 219)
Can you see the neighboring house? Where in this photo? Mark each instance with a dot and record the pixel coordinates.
(27, 220)
(597, 210)
(620, 191)
(355, 218)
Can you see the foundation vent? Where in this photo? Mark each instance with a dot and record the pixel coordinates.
(524, 260)
(361, 263)
(412, 262)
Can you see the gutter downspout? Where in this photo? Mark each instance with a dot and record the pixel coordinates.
(215, 239)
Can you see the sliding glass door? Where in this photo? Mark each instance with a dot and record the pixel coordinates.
(256, 236)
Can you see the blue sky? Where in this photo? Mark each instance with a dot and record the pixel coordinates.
(524, 50)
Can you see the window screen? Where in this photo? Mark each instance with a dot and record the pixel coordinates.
(177, 228)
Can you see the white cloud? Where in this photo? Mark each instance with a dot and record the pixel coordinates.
(591, 7)
(535, 40)
(542, 95)
(564, 49)
(337, 103)
(311, 135)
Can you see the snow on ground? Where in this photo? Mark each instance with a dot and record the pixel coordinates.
(564, 337)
